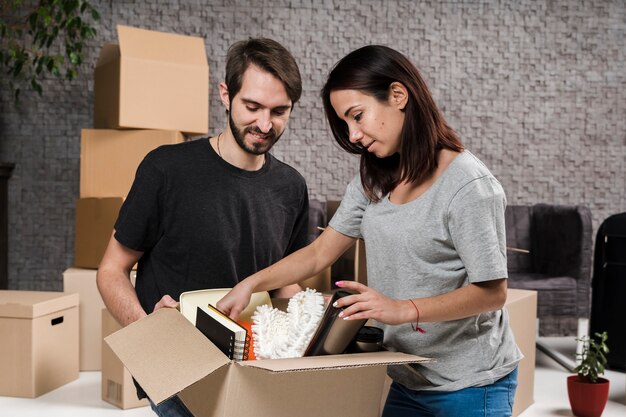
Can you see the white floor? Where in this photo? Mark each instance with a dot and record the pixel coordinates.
(82, 397)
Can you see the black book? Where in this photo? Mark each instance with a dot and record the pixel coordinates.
(334, 334)
(226, 334)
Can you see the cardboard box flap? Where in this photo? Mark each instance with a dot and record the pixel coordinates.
(163, 47)
(165, 353)
(32, 304)
(334, 361)
(109, 52)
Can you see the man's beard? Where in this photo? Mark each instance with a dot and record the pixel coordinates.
(257, 148)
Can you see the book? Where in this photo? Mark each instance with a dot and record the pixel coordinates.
(334, 334)
(226, 334)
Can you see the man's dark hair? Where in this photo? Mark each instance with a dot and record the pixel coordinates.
(269, 56)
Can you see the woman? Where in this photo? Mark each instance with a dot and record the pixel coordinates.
(432, 219)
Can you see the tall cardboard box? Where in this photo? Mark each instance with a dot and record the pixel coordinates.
(109, 158)
(522, 307)
(167, 355)
(83, 282)
(38, 341)
(117, 383)
(152, 80)
(95, 218)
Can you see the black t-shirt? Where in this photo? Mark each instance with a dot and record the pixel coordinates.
(203, 223)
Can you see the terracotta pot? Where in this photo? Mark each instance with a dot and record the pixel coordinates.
(587, 400)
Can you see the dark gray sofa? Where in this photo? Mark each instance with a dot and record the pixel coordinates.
(558, 265)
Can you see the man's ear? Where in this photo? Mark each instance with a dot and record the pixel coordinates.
(398, 95)
(224, 96)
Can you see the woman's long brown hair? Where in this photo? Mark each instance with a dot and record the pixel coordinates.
(371, 70)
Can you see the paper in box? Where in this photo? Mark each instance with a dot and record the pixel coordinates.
(38, 341)
(109, 158)
(152, 80)
(167, 355)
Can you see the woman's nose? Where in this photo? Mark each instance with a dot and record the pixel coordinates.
(355, 135)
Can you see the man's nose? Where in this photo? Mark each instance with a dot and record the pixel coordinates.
(264, 123)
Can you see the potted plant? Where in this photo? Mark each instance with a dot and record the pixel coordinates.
(587, 391)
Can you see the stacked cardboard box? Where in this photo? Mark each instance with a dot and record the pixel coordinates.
(154, 83)
(149, 90)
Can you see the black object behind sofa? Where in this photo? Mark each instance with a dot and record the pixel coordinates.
(608, 302)
(558, 266)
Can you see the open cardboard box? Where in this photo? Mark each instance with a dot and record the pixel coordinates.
(117, 386)
(152, 80)
(167, 355)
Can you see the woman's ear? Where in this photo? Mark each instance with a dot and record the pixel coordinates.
(398, 95)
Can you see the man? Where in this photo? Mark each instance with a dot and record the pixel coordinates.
(210, 212)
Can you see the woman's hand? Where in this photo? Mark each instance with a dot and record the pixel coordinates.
(237, 299)
(370, 304)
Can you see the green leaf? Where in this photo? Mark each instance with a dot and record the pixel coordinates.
(36, 86)
(17, 69)
(71, 74)
(74, 58)
(46, 21)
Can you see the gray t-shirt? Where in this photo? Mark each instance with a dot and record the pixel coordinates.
(450, 236)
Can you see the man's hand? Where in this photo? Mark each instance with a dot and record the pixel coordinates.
(166, 301)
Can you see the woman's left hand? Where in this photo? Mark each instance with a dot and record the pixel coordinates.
(370, 304)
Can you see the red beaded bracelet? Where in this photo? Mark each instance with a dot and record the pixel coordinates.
(417, 320)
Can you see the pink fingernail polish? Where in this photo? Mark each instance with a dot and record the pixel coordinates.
(339, 283)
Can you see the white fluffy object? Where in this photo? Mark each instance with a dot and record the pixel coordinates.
(279, 334)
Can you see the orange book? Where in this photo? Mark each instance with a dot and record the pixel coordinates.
(248, 326)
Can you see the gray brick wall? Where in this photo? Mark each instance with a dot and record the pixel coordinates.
(535, 88)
